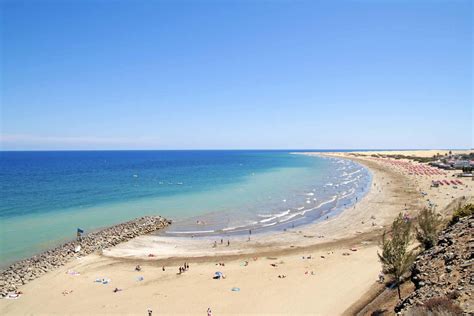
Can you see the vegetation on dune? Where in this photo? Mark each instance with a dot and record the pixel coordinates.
(429, 225)
(396, 257)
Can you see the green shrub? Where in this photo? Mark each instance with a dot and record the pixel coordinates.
(429, 225)
(396, 259)
(466, 210)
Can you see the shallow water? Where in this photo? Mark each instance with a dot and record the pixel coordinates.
(46, 196)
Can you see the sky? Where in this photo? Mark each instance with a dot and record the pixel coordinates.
(236, 74)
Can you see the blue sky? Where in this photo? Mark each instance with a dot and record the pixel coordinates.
(236, 74)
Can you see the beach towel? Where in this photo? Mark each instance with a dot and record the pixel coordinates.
(13, 296)
(103, 281)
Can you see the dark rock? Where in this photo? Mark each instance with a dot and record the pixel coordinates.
(446, 270)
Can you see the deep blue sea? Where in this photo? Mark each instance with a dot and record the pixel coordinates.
(46, 196)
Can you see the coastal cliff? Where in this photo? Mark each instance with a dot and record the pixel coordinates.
(444, 275)
(27, 270)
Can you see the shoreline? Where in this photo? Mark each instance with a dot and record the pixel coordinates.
(344, 263)
(300, 237)
(223, 211)
(288, 216)
(301, 222)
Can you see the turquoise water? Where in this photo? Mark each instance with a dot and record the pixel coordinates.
(46, 196)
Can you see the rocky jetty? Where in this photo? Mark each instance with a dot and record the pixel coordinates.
(27, 270)
(446, 271)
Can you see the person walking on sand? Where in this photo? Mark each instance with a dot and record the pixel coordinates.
(209, 312)
(228, 242)
(150, 312)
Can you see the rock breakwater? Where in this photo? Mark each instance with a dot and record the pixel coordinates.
(29, 269)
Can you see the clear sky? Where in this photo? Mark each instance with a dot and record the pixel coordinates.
(236, 74)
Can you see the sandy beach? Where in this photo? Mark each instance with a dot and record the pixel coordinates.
(220, 158)
(342, 267)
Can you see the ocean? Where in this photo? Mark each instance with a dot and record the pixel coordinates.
(46, 196)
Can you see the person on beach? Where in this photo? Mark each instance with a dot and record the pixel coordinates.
(381, 277)
(222, 241)
(150, 312)
(209, 312)
(215, 244)
(163, 268)
(228, 242)
(138, 268)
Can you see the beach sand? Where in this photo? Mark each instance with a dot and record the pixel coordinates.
(337, 282)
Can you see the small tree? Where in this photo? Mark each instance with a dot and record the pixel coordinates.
(396, 258)
(429, 224)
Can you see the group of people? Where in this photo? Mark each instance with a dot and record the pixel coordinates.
(183, 269)
(222, 242)
(228, 241)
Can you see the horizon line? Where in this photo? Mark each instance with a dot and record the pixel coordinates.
(239, 149)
